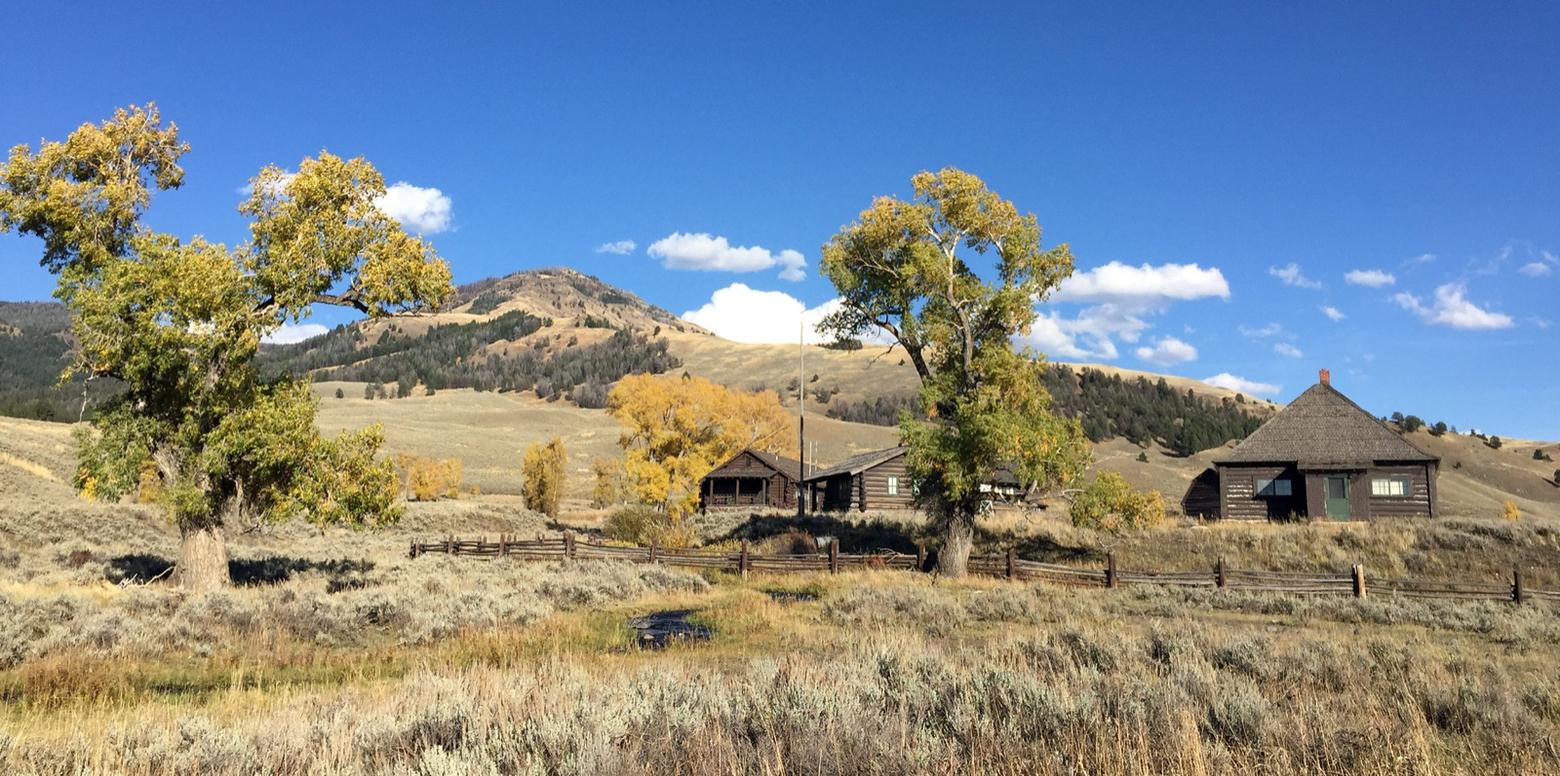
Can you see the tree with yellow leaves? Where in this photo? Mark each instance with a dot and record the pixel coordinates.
(541, 476)
(678, 429)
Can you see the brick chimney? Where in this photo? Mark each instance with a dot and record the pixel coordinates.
(1325, 376)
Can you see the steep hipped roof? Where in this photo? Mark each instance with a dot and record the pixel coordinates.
(786, 466)
(857, 464)
(1323, 427)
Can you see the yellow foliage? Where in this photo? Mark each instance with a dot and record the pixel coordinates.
(1510, 511)
(677, 429)
(149, 488)
(425, 479)
(611, 487)
(1110, 504)
(541, 476)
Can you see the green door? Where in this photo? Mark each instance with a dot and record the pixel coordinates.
(1338, 507)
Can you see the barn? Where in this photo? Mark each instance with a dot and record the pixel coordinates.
(1324, 457)
(752, 478)
(874, 480)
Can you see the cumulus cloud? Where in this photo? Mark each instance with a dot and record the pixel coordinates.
(707, 252)
(1292, 276)
(1241, 385)
(1119, 298)
(1370, 278)
(424, 210)
(617, 247)
(1333, 313)
(1287, 350)
(1168, 351)
(1452, 308)
(1120, 283)
(743, 314)
(293, 332)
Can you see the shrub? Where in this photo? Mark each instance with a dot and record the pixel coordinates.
(1540, 455)
(1510, 511)
(1110, 504)
(611, 487)
(340, 394)
(1439, 429)
(1142, 458)
(1494, 442)
(643, 524)
(541, 476)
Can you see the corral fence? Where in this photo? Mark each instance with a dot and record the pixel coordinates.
(1221, 577)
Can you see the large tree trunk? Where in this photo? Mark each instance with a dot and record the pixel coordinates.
(203, 559)
(953, 558)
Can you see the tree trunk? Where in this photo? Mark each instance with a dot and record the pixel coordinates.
(954, 557)
(203, 559)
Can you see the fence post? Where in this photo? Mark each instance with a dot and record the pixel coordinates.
(742, 560)
(414, 549)
(1516, 584)
(1357, 574)
(1110, 569)
(1218, 574)
(503, 544)
(920, 557)
(449, 544)
(1011, 566)
(652, 550)
(834, 556)
(568, 546)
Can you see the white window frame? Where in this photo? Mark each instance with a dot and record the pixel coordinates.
(1282, 487)
(1405, 485)
(893, 485)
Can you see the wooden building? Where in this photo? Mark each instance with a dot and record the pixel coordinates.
(1326, 458)
(875, 480)
(752, 478)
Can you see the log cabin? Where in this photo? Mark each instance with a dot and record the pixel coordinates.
(873, 480)
(752, 478)
(1322, 457)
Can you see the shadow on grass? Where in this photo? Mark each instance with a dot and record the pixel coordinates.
(868, 535)
(141, 567)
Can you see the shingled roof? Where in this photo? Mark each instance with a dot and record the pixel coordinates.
(1322, 427)
(857, 464)
(786, 466)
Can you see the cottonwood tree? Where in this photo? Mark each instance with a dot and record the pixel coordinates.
(678, 429)
(904, 268)
(180, 323)
(542, 471)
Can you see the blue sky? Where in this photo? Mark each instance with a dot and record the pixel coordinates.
(1218, 170)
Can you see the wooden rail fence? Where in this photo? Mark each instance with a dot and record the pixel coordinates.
(1221, 577)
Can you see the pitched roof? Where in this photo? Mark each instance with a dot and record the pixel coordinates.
(857, 464)
(1322, 427)
(788, 467)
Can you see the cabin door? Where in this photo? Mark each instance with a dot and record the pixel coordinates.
(1338, 505)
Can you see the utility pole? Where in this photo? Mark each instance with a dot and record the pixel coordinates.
(801, 419)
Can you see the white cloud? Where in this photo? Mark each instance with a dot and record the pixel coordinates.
(1535, 269)
(1120, 283)
(743, 314)
(1333, 313)
(1230, 382)
(703, 251)
(1292, 276)
(1542, 323)
(1370, 278)
(1091, 334)
(618, 247)
(1168, 351)
(1260, 332)
(1287, 350)
(424, 210)
(293, 332)
(1452, 308)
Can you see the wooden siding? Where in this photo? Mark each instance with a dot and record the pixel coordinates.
(1416, 504)
(1237, 493)
(1202, 496)
(872, 487)
(779, 490)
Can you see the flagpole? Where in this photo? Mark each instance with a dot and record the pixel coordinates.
(801, 418)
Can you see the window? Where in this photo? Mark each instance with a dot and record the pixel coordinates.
(893, 486)
(1269, 487)
(1394, 487)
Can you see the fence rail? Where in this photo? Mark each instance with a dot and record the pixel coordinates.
(743, 561)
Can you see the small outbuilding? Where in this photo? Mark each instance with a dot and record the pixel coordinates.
(1323, 457)
(874, 480)
(752, 478)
